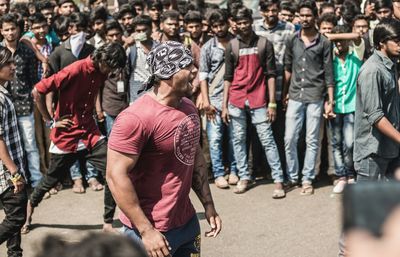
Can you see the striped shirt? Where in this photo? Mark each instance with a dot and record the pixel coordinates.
(11, 136)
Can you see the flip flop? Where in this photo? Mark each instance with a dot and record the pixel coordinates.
(95, 184)
(78, 189)
(278, 194)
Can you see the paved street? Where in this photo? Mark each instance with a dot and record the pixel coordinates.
(254, 225)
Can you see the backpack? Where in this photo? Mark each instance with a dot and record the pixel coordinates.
(261, 47)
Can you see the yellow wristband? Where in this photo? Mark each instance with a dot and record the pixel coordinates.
(272, 105)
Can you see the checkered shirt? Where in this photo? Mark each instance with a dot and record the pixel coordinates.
(11, 136)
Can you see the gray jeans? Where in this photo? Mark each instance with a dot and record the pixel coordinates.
(374, 168)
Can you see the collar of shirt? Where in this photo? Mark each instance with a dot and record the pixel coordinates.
(278, 25)
(313, 43)
(385, 60)
(253, 37)
(215, 41)
(4, 90)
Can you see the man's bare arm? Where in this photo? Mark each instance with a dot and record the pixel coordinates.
(118, 167)
(202, 189)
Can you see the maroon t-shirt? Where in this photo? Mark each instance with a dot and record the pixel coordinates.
(165, 139)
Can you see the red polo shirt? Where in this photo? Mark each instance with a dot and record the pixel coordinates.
(77, 86)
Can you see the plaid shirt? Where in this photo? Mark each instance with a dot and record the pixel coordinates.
(11, 136)
(278, 37)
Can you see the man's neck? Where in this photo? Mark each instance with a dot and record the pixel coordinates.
(147, 43)
(41, 42)
(11, 45)
(385, 53)
(270, 25)
(164, 96)
(309, 32)
(247, 38)
(165, 37)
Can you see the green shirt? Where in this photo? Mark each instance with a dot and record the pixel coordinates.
(345, 76)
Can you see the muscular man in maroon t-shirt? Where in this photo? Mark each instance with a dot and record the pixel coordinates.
(154, 158)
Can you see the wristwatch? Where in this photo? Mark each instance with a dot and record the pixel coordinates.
(50, 123)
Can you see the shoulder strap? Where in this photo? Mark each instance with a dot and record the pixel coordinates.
(235, 50)
(133, 56)
(262, 48)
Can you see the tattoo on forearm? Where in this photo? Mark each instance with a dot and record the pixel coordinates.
(200, 180)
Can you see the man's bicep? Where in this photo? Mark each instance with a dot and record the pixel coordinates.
(119, 162)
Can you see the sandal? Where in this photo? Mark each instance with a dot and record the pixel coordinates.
(278, 194)
(53, 191)
(78, 187)
(307, 189)
(95, 184)
(243, 185)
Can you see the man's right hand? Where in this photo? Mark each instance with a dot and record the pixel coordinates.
(155, 243)
(285, 101)
(225, 115)
(211, 111)
(64, 122)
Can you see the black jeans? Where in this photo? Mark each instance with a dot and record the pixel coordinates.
(59, 168)
(10, 229)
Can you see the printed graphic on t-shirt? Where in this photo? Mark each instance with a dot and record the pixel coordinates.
(187, 136)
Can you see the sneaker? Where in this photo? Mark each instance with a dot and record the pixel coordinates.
(221, 182)
(233, 179)
(338, 189)
(243, 185)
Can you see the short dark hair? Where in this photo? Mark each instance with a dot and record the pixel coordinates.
(138, 2)
(61, 2)
(9, 18)
(288, 6)
(360, 17)
(98, 13)
(113, 24)
(264, 5)
(106, 245)
(124, 9)
(112, 54)
(242, 13)
(218, 15)
(79, 19)
(386, 30)
(349, 10)
(61, 25)
(379, 4)
(155, 4)
(338, 29)
(309, 4)
(142, 20)
(46, 4)
(170, 14)
(327, 17)
(5, 56)
(325, 5)
(37, 18)
(193, 17)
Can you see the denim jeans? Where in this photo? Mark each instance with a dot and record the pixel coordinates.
(61, 163)
(27, 129)
(78, 168)
(375, 168)
(263, 126)
(296, 113)
(341, 129)
(184, 241)
(14, 206)
(215, 134)
(109, 123)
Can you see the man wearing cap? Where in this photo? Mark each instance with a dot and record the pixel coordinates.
(154, 158)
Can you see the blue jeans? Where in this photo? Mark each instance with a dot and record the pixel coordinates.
(215, 133)
(263, 126)
(27, 129)
(295, 114)
(109, 123)
(184, 240)
(76, 169)
(342, 136)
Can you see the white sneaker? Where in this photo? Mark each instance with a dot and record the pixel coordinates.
(338, 189)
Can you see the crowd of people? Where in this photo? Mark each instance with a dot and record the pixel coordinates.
(119, 98)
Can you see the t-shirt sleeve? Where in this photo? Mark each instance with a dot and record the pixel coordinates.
(128, 134)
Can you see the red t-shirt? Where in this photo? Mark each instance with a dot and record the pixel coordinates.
(165, 139)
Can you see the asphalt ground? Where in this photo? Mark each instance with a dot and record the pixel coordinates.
(254, 224)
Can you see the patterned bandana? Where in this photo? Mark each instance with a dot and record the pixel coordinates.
(168, 58)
